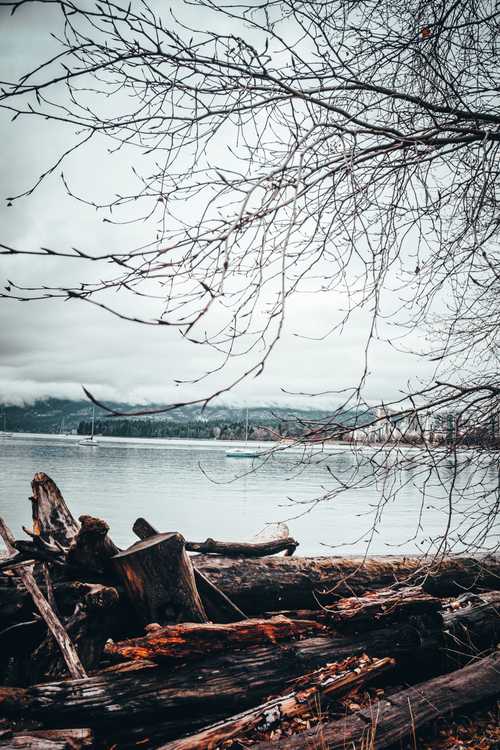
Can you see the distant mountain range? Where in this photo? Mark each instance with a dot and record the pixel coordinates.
(62, 416)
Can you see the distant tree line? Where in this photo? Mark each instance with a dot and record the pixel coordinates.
(214, 428)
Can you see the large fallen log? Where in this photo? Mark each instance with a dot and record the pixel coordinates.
(277, 583)
(190, 641)
(389, 721)
(230, 682)
(327, 683)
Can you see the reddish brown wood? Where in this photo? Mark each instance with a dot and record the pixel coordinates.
(383, 606)
(223, 684)
(47, 739)
(191, 641)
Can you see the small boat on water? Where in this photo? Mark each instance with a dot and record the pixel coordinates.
(245, 452)
(4, 432)
(90, 441)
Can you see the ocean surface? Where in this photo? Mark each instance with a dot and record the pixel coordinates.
(193, 487)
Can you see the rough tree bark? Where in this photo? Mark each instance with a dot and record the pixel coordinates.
(327, 683)
(64, 643)
(52, 518)
(277, 583)
(91, 549)
(389, 721)
(88, 627)
(218, 606)
(158, 577)
(230, 682)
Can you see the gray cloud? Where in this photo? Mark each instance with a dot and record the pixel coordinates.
(50, 348)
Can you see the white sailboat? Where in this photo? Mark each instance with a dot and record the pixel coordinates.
(244, 452)
(4, 432)
(90, 442)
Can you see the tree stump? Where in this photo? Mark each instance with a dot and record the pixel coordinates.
(52, 518)
(91, 549)
(159, 580)
(218, 606)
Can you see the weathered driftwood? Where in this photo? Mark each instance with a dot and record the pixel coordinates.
(47, 739)
(243, 549)
(389, 721)
(326, 683)
(158, 577)
(218, 606)
(67, 648)
(230, 682)
(371, 610)
(286, 544)
(52, 518)
(191, 641)
(91, 549)
(277, 583)
(88, 627)
(383, 606)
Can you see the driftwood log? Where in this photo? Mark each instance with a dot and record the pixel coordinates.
(191, 641)
(231, 682)
(277, 583)
(327, 683)
(286, 544)
(158, 577)
(381, 607)
(389, 721)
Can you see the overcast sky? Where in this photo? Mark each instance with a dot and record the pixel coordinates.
(51, 348)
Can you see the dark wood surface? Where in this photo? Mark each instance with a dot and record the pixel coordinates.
(389, 721)
(158, 577)
(226, 683)
(277, 583)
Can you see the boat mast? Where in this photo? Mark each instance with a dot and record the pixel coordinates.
(93, 419)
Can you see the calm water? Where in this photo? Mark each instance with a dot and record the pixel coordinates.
(192, 487)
